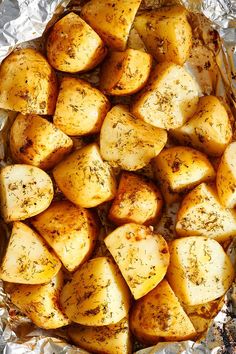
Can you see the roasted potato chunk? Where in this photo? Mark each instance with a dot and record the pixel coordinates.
(169, 99)
(166, 33)
(113, 339)
(141, 255)
(202, 214)
(209, 130)
(28, 83)
(179, 169)
(84, 178)
(41, 302)
(80, 108)
(199, 270)
(35, 141)
(137, 200)
(70, 230)
(127, 142)
(73, 46)
(100, 291)
(159, 315)
(112, 21)
(124, 73)
(25, 191)
(27, 259)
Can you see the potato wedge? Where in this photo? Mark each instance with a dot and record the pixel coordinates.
(137, 200)
(125, 73)
(141, 255)
(199, 270)
(127, 142)
(209, 130)
(113, 339)
(35, 141)
(202, 214)
(41, 302)
(226, 177)
(28, 83)
(179, 169)
(70, 230)
(25, 191)
(27, 259)
(159, 315)
(169, 99)
(166, 33)
(84, 178)
(112, 21)
(80, 108)
(73, 46)
(100, 291)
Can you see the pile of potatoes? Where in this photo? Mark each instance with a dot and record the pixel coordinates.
(142, 286)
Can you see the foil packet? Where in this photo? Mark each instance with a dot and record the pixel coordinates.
(213, 63)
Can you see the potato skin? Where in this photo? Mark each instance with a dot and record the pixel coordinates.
(35, 141)
(28, 83)
(70, 230)
(80, 108)
(73, 46)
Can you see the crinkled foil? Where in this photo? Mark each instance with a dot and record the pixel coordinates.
(213, 63)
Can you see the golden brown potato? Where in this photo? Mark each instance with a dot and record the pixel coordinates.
(199, 270)
(159, 315)
(41, 302)
(209, 129)
(113, 339)
(202, 214)
(84, 178)
(169, 99)
(112, 21)
(137, 200)
(35, 141)
(73, 46)
(27, 259)
(166, 33)
(70, 230)
(141, 255)
(124, 73)
(80, 108)
(226, 177)
(179, 169)
(25, 191)
(28, 83)
(100, 291)
(128, 142)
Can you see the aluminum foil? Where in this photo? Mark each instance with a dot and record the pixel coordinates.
(213, 63)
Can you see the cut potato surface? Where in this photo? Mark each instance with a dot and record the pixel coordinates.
(36, 141)
(169, 99)
(179, 169)
(111, 20)
(166, 33)
(199, 270)
(128, 142)
(159, 315)
(25, 191)
(41, 302)
(124, 73)
(28, 83)
(202, 214)
(27, 259)
(73, 46)
(112, 339)
(80, 108)
(141, 255)
(97, 295)
(70, 230)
